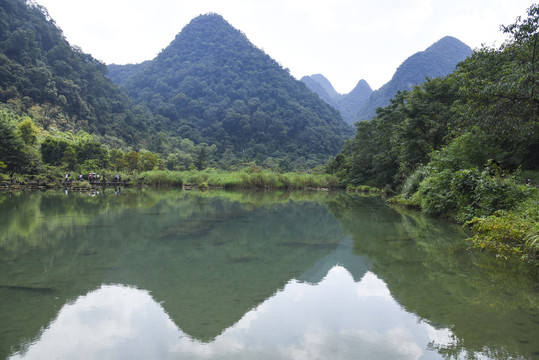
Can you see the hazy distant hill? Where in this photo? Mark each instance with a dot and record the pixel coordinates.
(42, 73)
(214, 86)
(437, 60)
(347, 104)
(320, 85)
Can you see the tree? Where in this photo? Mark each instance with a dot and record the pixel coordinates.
(148, 160)
(499, 93)
(116, 159)
(70, 157)
(11, 145)
(52, 150)
(132, 159)
(428, 116)
(28, 131)
(201, 161)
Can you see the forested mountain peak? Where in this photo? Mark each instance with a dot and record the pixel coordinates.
(437, 60)
(213, 86)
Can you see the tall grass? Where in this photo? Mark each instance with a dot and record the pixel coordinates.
(251, 178)
(160, 178)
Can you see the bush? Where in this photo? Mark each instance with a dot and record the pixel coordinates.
(508, 233)
(411, 184)
(434, 194)
(467, 193)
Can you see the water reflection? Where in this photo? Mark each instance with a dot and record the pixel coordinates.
(337, 318)
(250, 275)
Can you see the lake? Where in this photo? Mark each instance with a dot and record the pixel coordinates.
(172, 274)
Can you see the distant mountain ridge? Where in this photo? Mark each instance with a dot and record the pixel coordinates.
(347, 104)
(212, 85)
(437, 60)
(361, 103)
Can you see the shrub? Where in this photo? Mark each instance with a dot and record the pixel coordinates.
(467, 193)
(411, 184)
(481, 194)
(434, 194)
(507, 233)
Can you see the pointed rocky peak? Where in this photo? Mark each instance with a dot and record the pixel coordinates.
(361, 89)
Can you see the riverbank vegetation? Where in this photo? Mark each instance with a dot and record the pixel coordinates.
(250, 177)
(465, 146)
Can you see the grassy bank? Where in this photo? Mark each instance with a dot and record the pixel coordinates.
(251, 178)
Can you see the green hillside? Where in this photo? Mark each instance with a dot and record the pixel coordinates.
(213, 86)
(439, 59)
(62, 87)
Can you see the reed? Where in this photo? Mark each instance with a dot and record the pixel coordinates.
(250, 178)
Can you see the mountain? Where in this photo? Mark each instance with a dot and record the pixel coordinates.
(212, 85)
(320, 85)
(347, 104)
(437, 60)
(41, 73)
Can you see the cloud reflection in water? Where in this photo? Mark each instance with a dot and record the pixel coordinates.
(335, 319)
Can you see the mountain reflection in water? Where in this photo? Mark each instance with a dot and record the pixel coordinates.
(245, 275)
(337, 318)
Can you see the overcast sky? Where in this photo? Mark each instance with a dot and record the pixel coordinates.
(345, 40)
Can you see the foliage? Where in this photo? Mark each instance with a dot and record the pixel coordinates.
(255, 178)
(64, 88)
(486, 109)
(455, 146)
(212, 86)
(510, 233)
(467, 193)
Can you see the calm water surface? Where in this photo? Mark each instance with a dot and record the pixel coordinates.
(147, 274)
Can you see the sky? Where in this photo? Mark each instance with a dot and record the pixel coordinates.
(344, 40)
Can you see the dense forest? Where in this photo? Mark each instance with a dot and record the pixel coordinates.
(57, 107)
(214, 86)
(58, 85)
(459, 145)
(211, 99)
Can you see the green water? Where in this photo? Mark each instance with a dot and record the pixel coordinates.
(147, 274)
